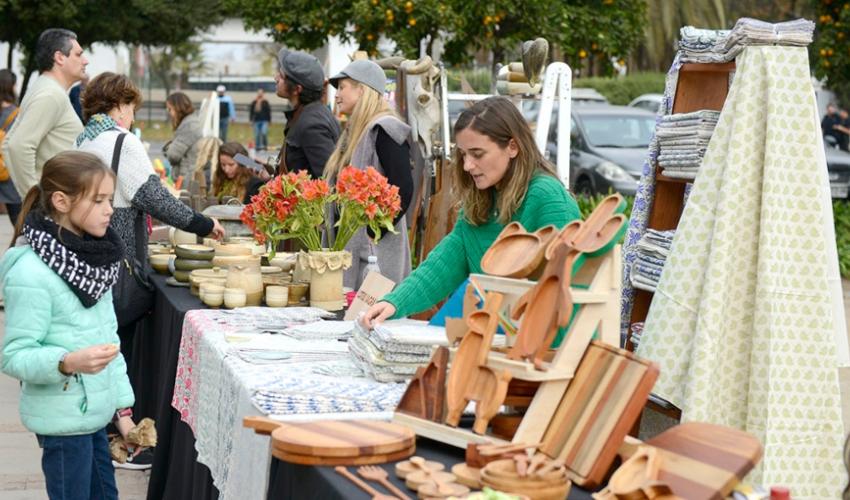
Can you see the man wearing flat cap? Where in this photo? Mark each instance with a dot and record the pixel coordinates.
(311, 130)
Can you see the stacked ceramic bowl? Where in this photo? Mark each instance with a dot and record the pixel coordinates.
(190, 258)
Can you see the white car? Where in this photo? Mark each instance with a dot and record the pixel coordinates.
(649, 102)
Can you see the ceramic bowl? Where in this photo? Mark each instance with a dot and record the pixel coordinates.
(215, 272)
(270, 270)
(194, 252)
(180, 237)
(159, 262)
(277, 301)
(277, 292)
(181, 276)
(236, 260)
(213, 299)
(234, 297)
(160, 248)
(191, 264)
(197, 282)
(285, 261)
(297, 291)
(232, 249)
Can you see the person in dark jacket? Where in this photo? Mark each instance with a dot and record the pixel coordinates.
(260, 115)
(311, 130)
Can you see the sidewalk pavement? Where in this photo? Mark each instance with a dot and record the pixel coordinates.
(20, 456)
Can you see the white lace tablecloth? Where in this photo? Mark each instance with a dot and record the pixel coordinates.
(215, 387)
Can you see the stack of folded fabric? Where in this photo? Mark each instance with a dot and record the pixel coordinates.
(636, 332)
(718, 46)
(652, 251)
(701, 45)
(393, 351)
(682, 141)
(305, 395)
(747, 31)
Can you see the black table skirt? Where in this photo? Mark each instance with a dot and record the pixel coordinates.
(300, 481)
(176, 473)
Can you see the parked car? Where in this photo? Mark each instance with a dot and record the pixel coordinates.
(838, 165)
(608, 145)
(578, 96)
(649, 102)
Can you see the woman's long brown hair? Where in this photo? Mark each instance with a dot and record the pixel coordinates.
(75, 173)
(182, 106)
(500, 120)
(243, 175)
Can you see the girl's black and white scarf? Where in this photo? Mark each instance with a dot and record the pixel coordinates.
(88, 265)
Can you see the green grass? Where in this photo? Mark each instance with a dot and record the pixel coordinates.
(841, 214)
(160, 131)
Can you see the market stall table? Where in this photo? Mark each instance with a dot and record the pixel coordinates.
(292, 481)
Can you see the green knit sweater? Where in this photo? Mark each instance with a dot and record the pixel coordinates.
(459, 254)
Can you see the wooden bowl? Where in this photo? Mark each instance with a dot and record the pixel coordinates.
(402, 469)
(506, 468)
(416, 479)
(181, 264)
(194, 252)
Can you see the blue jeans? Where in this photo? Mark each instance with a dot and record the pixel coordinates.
(261, 135)
(222, 128)
(78, 467)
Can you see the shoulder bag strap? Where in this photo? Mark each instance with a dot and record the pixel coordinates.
(116, 153)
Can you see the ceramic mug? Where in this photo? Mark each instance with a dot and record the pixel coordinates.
(277, 296)
(234, 297)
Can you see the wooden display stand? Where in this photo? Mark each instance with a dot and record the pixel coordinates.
(600, 304)
(700, 86)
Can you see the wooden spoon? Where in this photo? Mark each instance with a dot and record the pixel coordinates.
(360, 484)
(378, 474)
(521, 464)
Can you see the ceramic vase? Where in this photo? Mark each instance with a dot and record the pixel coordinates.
(326, 272)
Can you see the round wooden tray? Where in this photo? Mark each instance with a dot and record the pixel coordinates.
(295, 458)
(343, 438)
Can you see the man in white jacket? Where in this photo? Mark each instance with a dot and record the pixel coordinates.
(46, 123)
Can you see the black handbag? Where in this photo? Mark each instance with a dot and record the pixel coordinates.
(133, 293)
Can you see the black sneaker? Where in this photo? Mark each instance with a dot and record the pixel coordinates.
(142, 461)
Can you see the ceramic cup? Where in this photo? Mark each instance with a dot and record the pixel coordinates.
(234, 297)
(277, 296)
(212, 294)
(297, 291)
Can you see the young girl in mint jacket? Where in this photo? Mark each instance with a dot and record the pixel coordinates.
(61, 339)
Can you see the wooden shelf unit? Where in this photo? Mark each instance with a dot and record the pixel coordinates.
(700, 86)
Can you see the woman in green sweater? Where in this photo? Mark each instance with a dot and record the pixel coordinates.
(501, 177)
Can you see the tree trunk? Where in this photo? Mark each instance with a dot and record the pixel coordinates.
(9, 58)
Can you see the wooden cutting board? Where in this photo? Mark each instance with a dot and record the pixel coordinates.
(343, 438)
(383, 458)
(705, 461)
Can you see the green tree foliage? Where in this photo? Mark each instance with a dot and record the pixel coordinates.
(143, 22)
(830, 54)
(175, 61)
(582, 29)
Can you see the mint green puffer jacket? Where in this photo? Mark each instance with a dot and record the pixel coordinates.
(44, 320)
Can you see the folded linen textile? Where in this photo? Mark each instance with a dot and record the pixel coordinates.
(374, 363)
(321, 330)
(300, 395)
(741, 322)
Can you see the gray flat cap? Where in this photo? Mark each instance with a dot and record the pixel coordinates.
(365, 72)
(301, 68)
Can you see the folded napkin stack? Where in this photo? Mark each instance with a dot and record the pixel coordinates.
(682, 141)
(718, 46)
(393, 351)
(652, 251)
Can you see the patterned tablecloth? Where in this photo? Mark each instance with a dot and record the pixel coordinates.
(221, 379)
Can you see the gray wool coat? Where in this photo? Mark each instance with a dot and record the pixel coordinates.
(393, 250)
(182, 150)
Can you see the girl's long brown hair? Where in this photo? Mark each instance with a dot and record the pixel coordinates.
(243, 175)
(182, 106)
(498, 119)
(75, 173)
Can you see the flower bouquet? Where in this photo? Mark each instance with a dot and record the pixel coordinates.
(294, 206)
